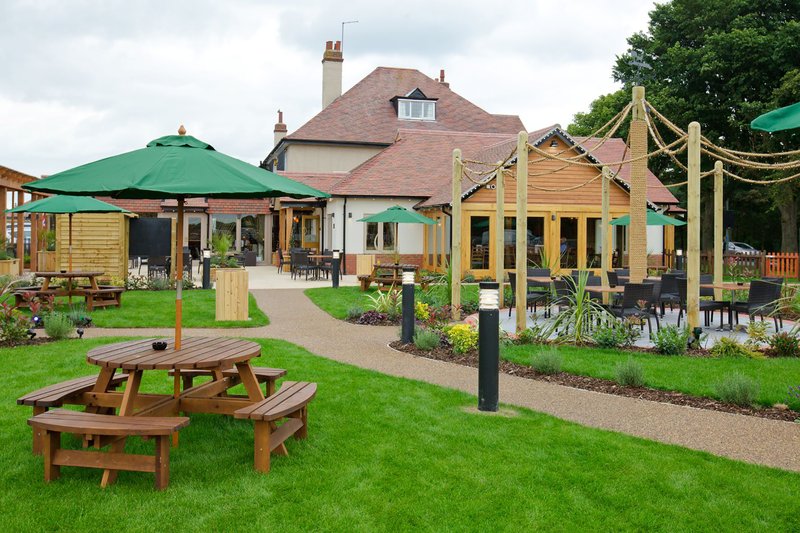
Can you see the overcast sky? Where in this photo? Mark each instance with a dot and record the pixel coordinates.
(82, 80)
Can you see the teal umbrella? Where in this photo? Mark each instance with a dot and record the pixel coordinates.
(398, 215)
(175, 166)
(653, 219)
(68, 205)
(784, 118)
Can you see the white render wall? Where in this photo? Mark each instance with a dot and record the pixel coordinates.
(409, 238)
(655, 239)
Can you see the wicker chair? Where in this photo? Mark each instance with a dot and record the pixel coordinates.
(706, 306)
(634, 294)
(761, 300)
(532, 297)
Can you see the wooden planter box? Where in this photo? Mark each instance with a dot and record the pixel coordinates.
(9, 267)
(47, 261)
(232, 298)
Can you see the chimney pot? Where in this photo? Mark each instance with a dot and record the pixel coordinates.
(441, 75)
(337, 45)
(280, 116)
(328, 45)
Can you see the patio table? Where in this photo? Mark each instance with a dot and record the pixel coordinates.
(318, 260)
(70, 275)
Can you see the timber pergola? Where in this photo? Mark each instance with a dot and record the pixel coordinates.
(12, 181)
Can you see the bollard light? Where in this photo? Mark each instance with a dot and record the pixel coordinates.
(407, 331)
(335, 269)
(488, 346)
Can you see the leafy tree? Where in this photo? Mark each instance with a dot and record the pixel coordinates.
(721, 63)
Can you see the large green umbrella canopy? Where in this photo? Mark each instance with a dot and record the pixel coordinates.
(653, 219)
(67, 205)
(174, 166)
(398, 215)
(784, 118)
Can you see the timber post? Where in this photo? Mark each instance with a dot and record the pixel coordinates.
(693, 229)
(637, 255)
(521, 263)
(499, 231)
(605, 254)
(455, 249)
(719, 228)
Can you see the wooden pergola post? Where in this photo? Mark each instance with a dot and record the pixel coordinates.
(719, 228)
(34, 237)
(499, 231)
(521, 263)
(605, 255)
(21, 234)
(637, 251)
(455, 227)
(693, 229)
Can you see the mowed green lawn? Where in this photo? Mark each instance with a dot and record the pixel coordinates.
(383, 454)
(156, 309)
(697, 376)
(336, 302)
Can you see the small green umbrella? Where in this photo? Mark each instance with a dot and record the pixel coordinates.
(653, 219)
(398, 215)
(174, 166)
(784, 118)
(68, 205)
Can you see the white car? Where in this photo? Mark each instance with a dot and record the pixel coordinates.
(741, 248)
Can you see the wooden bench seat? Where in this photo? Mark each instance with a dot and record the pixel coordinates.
(60, 394)
(53, 423)
(263, 375)
(290, 402)
(103, 297)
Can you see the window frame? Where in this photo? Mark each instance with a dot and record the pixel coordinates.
(403, 102)
(379, 245)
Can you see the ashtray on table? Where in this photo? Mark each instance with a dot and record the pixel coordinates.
(160, 345)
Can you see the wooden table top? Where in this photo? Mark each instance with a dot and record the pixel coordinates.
(70, 274)
(395, 266)
(196, 352)
(727, 286)
(600, 288)
(540, 279)
(320, 256)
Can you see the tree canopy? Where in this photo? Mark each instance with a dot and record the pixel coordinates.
(721, 63)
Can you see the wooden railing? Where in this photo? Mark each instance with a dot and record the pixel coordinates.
(757, 264)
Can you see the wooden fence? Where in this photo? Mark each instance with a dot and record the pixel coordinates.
(754, 265)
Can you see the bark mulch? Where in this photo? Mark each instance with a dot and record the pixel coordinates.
(601, 385)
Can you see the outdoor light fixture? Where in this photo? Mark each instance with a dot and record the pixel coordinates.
(407, 328)
(488, 299)
(336, 254)
(31, 333)
(206, 254)
(554, 143)
(408, 277)
(36, 320)
(679, 252)
(79, 331)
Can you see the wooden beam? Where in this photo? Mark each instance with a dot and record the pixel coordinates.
(637, 251)
(21, 234)
(455, 225)
(719, 227)
(499, 231)
(605, 228)
(693, 229)
(521, 263)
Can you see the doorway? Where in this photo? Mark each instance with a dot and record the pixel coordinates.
(310, 231)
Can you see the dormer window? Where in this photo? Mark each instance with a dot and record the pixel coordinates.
(415, 106)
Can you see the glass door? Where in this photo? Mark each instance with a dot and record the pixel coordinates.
(194, 237)
(252, 227)
(310, 232)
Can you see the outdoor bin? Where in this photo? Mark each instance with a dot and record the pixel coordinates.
(232, 297)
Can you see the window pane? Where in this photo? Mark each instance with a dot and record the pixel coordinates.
(569, 241)
(416, 109)
(536, 242)
(372, 236)
(388, 235)
(479, 232)
(430, 110)
(510, 242)
(594, 242)
(404, 109)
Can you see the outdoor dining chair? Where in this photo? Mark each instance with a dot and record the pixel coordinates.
(761, 300)
(532, 298)
(668, 291)
(281, 260)
(156, 266)
(706, 306)
(539, 273)
(301, 263)
(637, 300)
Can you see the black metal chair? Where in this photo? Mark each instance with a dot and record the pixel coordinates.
(301, 263)
(532, 298)
(156, 266)
(706, 306)
(539, 273)
(613, 278)
(668, 293)
(637, 300)
(761, 300)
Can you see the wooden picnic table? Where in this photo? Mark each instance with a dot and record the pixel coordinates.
(388, 275)
(70, 275)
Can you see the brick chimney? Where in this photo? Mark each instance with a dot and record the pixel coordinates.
(331, 72)
(280, 128)
(441, 78)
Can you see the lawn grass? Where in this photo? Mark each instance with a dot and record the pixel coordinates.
(692, 375)
(156, 309)
(336, 302)
(383, 454)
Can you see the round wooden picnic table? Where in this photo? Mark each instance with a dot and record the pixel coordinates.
(196, 352)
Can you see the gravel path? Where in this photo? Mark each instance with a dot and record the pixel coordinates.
(294, 318)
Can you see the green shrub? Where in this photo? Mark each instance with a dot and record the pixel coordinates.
(730, 347)
(614, 335)
(671, 340)
(738, 389)
(784, 344)
(159, 284)
(354, 312)
(58, 326)
(426, 339)
(13, 325)
(78, 315)
(630, 374)
(547, 361)
(757, 333)
(463, 337)
(389, 303)
(469, 278)
(535, 334)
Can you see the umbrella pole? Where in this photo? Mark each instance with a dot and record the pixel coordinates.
(179, 276)
(69, 261)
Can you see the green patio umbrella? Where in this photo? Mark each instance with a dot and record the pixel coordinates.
(68, 205)
(653, 219)
(175, 166)
(398, 215)
(784, 118)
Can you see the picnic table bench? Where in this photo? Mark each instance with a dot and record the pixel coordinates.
(52, 423)
(289, 402)
(388, 276)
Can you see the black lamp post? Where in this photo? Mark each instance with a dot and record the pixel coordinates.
(407, 333)
(488, 346)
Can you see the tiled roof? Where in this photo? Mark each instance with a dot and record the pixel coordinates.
(613, 150)
(364, 114)
(415, 166)
(322, 181)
